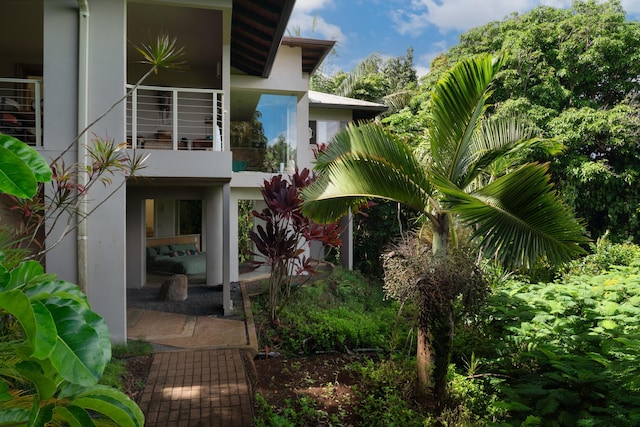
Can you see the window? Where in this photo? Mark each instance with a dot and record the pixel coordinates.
(323, 131)
(267, 140)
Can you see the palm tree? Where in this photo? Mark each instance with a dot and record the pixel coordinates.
(516, 216)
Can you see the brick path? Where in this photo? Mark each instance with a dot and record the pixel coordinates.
(197, 388)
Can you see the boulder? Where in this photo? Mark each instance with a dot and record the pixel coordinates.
(174, 288)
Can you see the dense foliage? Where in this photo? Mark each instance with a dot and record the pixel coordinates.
(54, 347)
(348, 312)
(561, 353)
(569, 351)
(572, 74)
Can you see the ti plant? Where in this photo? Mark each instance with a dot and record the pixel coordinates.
(286, 234)
(53, 347)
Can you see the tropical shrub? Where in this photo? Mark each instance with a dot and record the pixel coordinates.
(569, 352)
(348, 312)
(604, 254)
(53, 348)
(286, 234)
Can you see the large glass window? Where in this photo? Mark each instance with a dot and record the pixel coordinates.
(267, 140)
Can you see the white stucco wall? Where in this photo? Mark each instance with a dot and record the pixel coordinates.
(106, 238)
(106, 257)
(60, 55)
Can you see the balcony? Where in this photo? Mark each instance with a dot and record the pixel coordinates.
(21, 109)
(165, 118)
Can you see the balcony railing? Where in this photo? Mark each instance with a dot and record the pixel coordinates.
(165, 118)
(21, 109)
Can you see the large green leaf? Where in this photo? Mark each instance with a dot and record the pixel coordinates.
(21, 168)
(40, 416)
(35, 319)
(16, 178)
(13, 416)
(112, 403)
(75, 416)
(44, 384)
(26, 273)
(56, 288)
(83, 347)
(36, 163)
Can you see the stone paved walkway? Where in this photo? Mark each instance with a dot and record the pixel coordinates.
(197, 388)
(203, 381)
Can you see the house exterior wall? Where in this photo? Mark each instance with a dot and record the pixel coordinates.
(105, 257)
(60, 55)
(337, 115)
(115, 239)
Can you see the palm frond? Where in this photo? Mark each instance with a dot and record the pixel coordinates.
(518, 218)
(361, 163)
(397, 101)
(501, 143)
(459, 101)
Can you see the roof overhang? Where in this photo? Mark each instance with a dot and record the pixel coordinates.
(361, 109)
(314, 51)
(257, 29)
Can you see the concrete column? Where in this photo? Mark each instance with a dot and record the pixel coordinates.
(136, 239)
(346, 251)
(234, 264)
(213, 234)
(226, 252)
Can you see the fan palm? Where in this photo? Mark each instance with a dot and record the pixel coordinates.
(516, 216)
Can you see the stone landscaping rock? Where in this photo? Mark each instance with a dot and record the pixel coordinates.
(174, 288)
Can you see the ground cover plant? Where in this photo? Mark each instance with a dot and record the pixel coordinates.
(568, 352)
(344, 355)
(559, 353)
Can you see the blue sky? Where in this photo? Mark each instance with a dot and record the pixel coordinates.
(390, 27)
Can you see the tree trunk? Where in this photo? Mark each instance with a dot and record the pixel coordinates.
(435, 343)
(424, 363)
(427, 357)
(442, 343)
(440, 234)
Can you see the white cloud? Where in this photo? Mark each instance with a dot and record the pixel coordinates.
(307, 19)
(456, 15)
(308, 6)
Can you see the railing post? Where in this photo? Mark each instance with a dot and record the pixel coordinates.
(134, 118)
(174, 117)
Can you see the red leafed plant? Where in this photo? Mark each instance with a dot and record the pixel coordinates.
(286, 235)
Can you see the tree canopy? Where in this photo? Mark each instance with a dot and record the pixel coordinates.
(572, 75)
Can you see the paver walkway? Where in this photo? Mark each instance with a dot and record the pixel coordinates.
(197, 388)
(203, 382)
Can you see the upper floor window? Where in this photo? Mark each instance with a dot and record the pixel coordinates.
(267, 141)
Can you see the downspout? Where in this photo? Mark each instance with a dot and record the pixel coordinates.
(83, 120)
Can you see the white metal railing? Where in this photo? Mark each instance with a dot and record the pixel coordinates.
(21, 109)
(166, 118)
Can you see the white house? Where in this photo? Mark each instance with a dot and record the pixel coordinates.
(240, 112)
